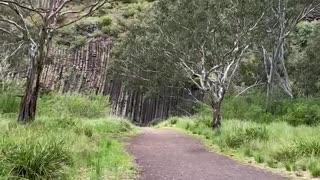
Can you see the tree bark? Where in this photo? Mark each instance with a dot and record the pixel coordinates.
(29, 101)
(37, 53)
(216, 121)
(216, 102)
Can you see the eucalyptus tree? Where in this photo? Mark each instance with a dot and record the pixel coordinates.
(282, 17)
(33, 23)
(199, 40)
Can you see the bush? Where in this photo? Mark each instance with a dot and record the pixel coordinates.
(112, 30)
(105, 20)
(299, 111)
(34, 160)
(302, 113)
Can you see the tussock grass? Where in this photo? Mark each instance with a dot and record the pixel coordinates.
(72, 138)
(35, 160)
(276, 144)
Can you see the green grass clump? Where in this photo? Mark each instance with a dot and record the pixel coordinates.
(58, 149)
(34, 160)
(71, 138)
(109, 158)
(243, 135)
(314, 168)
(9, 97)
(9, 103)
(302, 147)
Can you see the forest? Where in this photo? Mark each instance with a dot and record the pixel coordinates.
(78, 78)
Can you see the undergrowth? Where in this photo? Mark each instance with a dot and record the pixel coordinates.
(72, 138)
(275, 144)
(297, 111)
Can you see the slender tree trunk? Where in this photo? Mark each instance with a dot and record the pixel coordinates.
(29, 101)
(216, 102)
(216, 109)
(37, 53)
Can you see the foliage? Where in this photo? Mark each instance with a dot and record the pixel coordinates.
(74, 105)
(302, 147)
(9, 97)
(298, 111)
(276, 144)
(34, 160)
(8, 103)
(304, 61)
(157, 49)
(71, 139)
(244, 135)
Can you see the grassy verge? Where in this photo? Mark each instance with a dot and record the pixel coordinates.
(72, 138)
(276, 145)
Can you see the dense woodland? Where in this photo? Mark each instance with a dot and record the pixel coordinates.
(238, 72)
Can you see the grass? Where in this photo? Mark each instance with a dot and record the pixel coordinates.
(72, 138)
(275, 144)
(297, 111)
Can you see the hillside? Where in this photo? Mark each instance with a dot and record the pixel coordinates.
(111, 20)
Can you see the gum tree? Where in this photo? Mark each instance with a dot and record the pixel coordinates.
(33, 24)
(201, 40)
(282, 17)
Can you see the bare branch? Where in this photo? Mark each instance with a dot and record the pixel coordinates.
(14, 52)
(6, 20)
(92, 8)
(248, 88)
(19, 4)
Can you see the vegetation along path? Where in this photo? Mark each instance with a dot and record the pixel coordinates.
(164, 154)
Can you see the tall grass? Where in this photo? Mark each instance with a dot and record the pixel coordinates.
(298, 111)
(8, 103)
(72, 138)
(30, 160)
(74, 105)
(276, 144)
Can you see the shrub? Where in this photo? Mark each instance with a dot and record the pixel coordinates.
(105, 20)
(34, 160)
(302, 113)
(112, 30)
(299, 111)
(173, 120)
(88, 131)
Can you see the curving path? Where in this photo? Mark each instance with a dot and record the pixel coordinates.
(164, 154)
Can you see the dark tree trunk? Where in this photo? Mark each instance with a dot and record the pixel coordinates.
(216, 121)
(29, 101)
(37, 54)
(216, 103)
